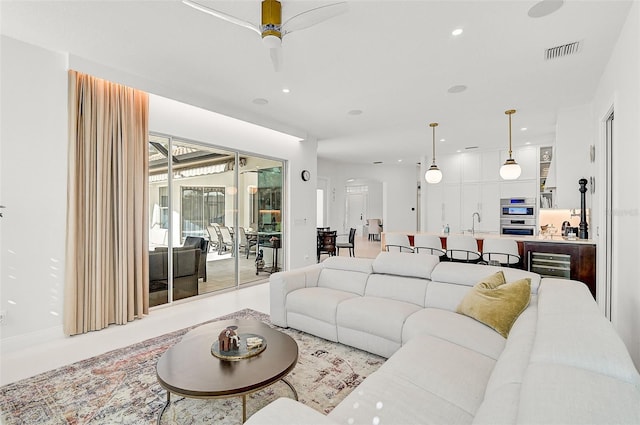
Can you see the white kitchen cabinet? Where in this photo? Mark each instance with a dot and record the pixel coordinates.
(490, 168)
(443, 207)
(528, 160)
(483, 198)
(490, 207)
(519, 189)
(471, 182)
(434, 207)
(471, 167)
(450, 165)
(471, 203)
(451, 207)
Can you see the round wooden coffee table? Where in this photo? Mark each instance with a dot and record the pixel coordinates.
(190, 370)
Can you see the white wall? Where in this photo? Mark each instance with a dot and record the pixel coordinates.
(574, 136)
(34, 154)
(399, 192)
(620, 87)
(33, 186)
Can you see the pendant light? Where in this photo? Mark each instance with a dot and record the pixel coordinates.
(510, 170)
(433, 174)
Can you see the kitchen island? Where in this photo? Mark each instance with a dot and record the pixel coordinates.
(553, 256)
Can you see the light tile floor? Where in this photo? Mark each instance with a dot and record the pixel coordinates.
(25, 362)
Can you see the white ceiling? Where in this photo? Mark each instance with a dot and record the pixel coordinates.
(394, 60)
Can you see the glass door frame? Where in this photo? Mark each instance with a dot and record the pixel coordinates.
(236, 205)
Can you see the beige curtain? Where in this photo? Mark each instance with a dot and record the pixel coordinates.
(106, 278)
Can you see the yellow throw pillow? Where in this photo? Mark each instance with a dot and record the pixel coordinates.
(492, 281)
(496, 305)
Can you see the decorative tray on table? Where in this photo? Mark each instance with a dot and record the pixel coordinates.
(248, 347)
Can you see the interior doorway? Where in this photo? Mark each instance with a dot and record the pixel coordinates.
(356, 211)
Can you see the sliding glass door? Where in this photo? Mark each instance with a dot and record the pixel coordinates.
(215, 218)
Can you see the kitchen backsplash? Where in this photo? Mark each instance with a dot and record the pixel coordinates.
(555, 217)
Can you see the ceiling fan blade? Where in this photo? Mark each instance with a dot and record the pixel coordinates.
(223, 16)
(276, 58)
(313, 16)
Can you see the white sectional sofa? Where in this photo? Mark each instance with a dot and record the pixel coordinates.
(562, 362)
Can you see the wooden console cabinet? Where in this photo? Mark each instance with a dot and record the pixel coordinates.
(575, 261)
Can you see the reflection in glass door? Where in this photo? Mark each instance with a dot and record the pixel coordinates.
(214, 217)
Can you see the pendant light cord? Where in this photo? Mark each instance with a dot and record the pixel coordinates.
(509, 113)
(433, 125)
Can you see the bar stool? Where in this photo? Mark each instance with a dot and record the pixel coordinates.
(463, 248)
(397, 242)
(428, 244)
(505, 251)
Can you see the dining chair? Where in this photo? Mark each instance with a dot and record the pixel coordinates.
(326, 242)
(350, 245)
(373, 227)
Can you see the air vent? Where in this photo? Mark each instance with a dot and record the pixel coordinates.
(564, 50)
(471, 147)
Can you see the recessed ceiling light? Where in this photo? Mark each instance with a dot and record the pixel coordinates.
(355, 112)
(458, 151)
(457, 89)
(260, 101)
(456, 31)
(442, 140)
(544, 8)
(523, 129)
(527, 143)
(286, 90)
(399, 160)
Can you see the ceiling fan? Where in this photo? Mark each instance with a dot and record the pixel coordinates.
(272, 30)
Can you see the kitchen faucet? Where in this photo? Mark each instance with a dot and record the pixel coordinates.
(473, 222)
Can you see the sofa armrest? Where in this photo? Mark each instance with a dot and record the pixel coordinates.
(282, 283)
(285, 411)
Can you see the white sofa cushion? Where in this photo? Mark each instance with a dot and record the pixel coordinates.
(282, 283)
(470, 274)
(361, 325)
(343, 280)
(362, 265)
(455, 328)
(428, 381)
(568, 320)
(399, 288)
(403, 264)
(559, 394)
(314, 310)
(285, 411)
(502, 396)
(386, 399)
(446, 296)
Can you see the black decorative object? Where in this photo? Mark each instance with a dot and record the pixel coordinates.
(583, 233)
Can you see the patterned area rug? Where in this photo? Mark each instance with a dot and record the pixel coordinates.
(120, 387)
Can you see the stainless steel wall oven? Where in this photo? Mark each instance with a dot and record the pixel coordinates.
(518, 216)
